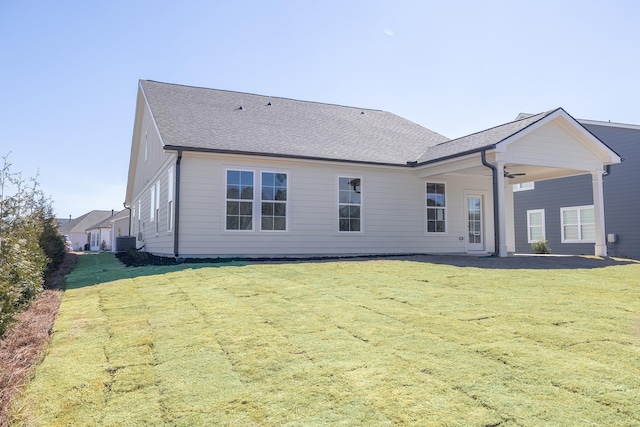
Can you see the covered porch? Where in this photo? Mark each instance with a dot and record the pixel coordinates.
(541, 147)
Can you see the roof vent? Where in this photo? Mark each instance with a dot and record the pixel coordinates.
(241, 107)
(362, 113)
(269, 103)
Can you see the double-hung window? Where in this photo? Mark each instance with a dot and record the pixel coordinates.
(239, 200)
(349, 204)
(578, 224)
(273, 201)
(535, 225)
(436, 208)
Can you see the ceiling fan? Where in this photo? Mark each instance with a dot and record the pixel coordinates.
(512, 175)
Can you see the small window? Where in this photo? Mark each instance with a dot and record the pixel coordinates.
(436, 208)
(535, 225)
(170, 199)
(157, 207)
(349, 204)
(273, 201)
(152, 203)
(239, 200)
(578, 224)
(523, 186)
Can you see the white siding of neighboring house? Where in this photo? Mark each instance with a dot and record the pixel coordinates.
(393, 211)
(119, 227)
(78, 240)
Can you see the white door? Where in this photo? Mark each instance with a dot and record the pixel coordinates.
(475, 226)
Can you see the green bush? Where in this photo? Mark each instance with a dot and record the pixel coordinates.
(541, 247)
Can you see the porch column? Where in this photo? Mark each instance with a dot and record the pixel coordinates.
(502, 217)
(598, 209)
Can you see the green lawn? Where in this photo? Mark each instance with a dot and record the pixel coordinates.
(373, 343)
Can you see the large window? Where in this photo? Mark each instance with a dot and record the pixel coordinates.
(274, 201)
(436, 208)
(239, 200)
(349, 204)
(535, 225)
(578, 224)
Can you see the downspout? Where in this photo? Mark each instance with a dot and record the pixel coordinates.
(176, 208)
(496, 206)
(129, 209)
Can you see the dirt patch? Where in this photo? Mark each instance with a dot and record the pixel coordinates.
(24, 343)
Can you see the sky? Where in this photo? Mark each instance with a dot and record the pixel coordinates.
(69, 70)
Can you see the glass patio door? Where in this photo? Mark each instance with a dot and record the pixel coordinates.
(474, 218)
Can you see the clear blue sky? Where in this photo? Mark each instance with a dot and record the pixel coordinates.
(69, 69)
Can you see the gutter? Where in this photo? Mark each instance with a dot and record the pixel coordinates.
(176, 208)
(496, 205)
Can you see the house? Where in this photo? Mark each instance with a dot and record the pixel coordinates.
(102, 235)
(221, 173)
(76, 228)
(561, 210)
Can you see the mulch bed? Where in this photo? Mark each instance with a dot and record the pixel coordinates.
(24, 343)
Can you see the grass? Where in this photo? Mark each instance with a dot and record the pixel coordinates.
(376, 342)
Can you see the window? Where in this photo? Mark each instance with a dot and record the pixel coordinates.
(274, 201)
(535, 225)
(157, 207)
(578, 224)
(349, 204)
(239, 200)
(170, 199)
(152, 203)
(523, 186)
(436, 208)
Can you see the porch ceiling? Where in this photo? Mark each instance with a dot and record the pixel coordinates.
(475, 168)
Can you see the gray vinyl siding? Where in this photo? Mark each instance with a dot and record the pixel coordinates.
(621, 196)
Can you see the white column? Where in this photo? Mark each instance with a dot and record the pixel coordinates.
(502, 217)
(598, 208)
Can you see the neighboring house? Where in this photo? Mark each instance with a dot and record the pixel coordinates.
(117, 224)
(562, 210)
(76, 228)
(220, 173)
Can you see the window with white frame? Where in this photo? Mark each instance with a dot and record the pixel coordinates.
(578, 224)
(349, 204)
(152, 203)
(273, 196)
(239, 200)
(157, 206)
(436, 207)
(170, 199)
(523, 186)
(535, 225)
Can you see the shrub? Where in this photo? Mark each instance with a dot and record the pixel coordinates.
(541, 247)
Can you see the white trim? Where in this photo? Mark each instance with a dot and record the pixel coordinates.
(518, 186)
(286, 201)
(543, 225)
(482, 195)
(338, 203)
(609, 124)
(562, 225)
(225, 200)
(170, 208)
(426, 209)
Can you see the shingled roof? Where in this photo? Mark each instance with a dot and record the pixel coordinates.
(202, 119)
(197, 118)
(480, 140)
